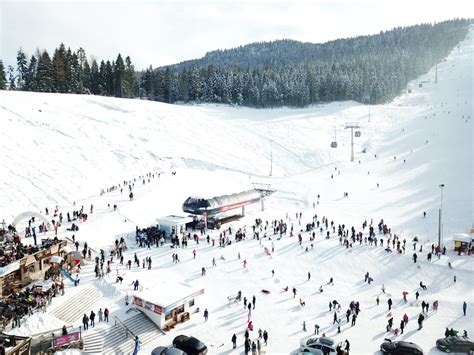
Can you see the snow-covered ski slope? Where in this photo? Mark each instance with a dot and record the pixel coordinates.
(56, 149)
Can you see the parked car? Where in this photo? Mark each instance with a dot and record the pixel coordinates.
(400, 348)
(167, 350)
(190, 345)
(455, 344)
(318, 345)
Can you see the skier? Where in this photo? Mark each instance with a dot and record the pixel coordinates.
(265, 336)
(234, 341)
(206, 314)
(294, 292)
(402, 326)
(464, 308)
(389, 302)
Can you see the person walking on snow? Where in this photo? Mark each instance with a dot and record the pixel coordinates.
(100, 313)
(85, 321)
(464, 308)
(206, 314)
(234, 341)
(136, 344)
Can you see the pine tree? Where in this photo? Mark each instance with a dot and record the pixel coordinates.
(59, 64)
(3, 79)
(30, 80)
(95, 79)
(109, 79)
(102, 79)
(11, 78)
(44, 77)
(86, 78)
(130, 79)
(22, 69)
(119, 76)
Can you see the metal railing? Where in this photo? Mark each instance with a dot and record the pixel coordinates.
(128, 332)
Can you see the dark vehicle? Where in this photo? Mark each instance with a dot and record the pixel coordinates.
(400, 348)
(455, 344)
(190, 345)
(167, 350)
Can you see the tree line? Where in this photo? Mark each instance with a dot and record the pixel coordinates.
(372, 69)
(70, 72)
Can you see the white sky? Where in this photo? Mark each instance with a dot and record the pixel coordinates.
(164, 32)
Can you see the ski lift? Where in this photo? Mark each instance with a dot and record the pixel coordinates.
(333, 144)
(357, 133)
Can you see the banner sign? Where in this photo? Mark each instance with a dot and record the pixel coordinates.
(66, 339)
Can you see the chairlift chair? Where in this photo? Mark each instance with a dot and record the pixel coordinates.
(334, 145)
(357, 133)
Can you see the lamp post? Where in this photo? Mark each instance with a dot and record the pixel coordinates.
(439, 219)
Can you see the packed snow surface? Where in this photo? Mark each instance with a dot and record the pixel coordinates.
(60, 149)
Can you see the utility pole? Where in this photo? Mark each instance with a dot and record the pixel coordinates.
(439, 219)
(352, 126)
